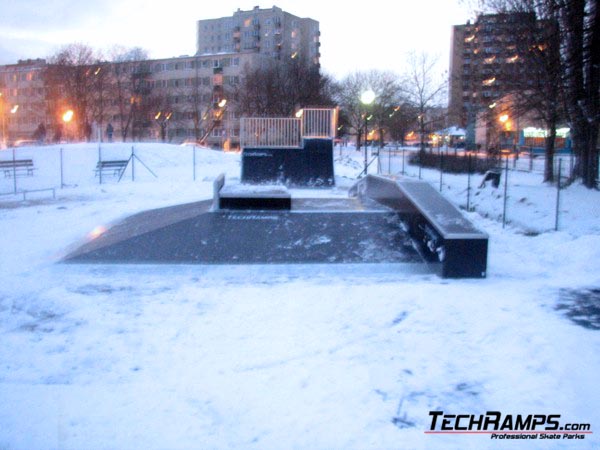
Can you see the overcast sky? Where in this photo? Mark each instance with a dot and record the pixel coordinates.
(354, 35)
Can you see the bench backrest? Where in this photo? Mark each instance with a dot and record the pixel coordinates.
(17, 163)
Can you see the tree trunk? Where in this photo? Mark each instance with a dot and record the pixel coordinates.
(549, 165)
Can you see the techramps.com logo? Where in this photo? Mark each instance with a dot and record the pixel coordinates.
(508, 426)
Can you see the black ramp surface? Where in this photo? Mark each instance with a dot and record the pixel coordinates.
(439, 211)
(258, 237)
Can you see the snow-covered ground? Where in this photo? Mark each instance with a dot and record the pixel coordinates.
(272, 357)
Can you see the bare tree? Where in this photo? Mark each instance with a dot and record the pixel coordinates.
(401, 120)
(69, 80)
(388, 97)
(424, 87)
(566, 54)
(348, 98)
(580, 39)
(277, 89)
(387, 89)
(132, 90)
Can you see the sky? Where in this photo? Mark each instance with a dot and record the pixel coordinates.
(375, 34)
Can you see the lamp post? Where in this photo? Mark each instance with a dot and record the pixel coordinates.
(367, 98)
(163, 121)
(67, 117)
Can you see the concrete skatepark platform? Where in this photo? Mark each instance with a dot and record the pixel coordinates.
(379, 223)
(312, 231)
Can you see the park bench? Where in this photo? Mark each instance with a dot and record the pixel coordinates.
(117, 167)
(15, 166)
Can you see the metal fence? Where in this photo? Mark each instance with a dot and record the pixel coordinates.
(404, 162)
(281, 132)
(271, 132)
(319, 122)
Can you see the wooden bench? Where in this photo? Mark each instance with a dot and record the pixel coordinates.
(117, 167)
(15, 166)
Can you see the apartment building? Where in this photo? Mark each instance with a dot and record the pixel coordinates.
(270, 32)
(22, 99)
(485, 63)
(184, 98)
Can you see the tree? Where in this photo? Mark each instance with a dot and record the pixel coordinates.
(580, 40)
(279, 89)
(348, 98)
(401, 121)
(132, 90)
(424, 87)
(568, 62)
(387, 90)
(69, 82)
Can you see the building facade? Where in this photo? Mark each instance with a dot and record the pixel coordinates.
(485, 63)
(188, 98)
(270, 32)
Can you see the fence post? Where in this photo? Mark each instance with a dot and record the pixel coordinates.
(14, 170)
(403, 156)
(469, 182)
(441, 167)
(99, 163)
(194, 163)
(505, 193)
(62, 179)
(132, 163)
(558, 195)
(530, 159)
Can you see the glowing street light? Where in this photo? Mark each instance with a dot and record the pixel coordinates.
(222, 103)
(14, 109)
(67, 117)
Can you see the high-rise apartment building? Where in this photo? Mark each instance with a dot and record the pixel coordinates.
(485, 63)
(271, 32)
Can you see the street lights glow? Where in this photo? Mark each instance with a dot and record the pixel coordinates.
(14, 109)
(67, 116)
(503, 118)
(222, 103)
(367, 97)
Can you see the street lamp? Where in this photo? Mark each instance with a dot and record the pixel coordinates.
(163, 119)
(67, 117)
(367, 98)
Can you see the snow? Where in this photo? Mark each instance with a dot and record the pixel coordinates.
(270, 357)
